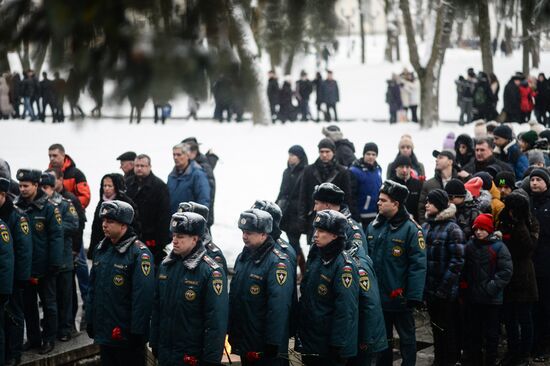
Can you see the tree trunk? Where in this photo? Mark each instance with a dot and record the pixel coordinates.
(419, 19)
(38, 57)
(535, 50)
(362, 31)
(289, 61)
(4, 63)
(484, 29)
(248, 52)
(508, 41)
(24, 58)
(526, 13)
(429, 74)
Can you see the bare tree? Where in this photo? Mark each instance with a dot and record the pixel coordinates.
(484, 29)
(430, 71)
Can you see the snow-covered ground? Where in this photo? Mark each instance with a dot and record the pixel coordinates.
(252, 158)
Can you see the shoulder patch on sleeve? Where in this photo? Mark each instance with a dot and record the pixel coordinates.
(280, 254)
(24, 224)
(57, 215)
(212, 263)
(421, 241)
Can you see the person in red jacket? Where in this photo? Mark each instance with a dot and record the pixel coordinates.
(527, 103)
(74, 180)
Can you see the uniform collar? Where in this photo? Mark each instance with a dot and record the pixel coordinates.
(122, 246)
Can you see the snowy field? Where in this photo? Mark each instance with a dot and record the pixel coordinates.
(252, 158)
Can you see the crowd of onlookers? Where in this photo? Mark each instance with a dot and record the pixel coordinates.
(402, 95)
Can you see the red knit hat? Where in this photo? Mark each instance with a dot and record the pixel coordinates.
(484, 222)
(474, 186)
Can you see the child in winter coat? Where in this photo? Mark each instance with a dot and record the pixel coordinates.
(527, 103)
(487, 270)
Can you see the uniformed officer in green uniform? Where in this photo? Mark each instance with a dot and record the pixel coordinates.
(212, 250)
(47, 236)
(121, 292)
(260, 296)
(330, 296)
(6, 280)
(64, 286)
(18, 225)
(398, 251)
(372, 331)
(191, 305)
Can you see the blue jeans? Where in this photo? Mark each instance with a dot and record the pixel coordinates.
(403, 321)
(27, 106)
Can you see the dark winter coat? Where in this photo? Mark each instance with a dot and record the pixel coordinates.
(484, 101)
(462, 160)
(429, 185)
(7, 260)
(122, 286)
(466, 213)
(315, 174)
(190, 309)
(366, 181)
(413, 199)
(318, 84)
(520, 233)
(97, 229)
(475, 166)
(512, 102)
(28, 88)
(18, 224)
(189, 185)
(345, 152)
(398, 251)
(445, 255)
(542, 99)
(47, 234)
(48, 92)
(487, 270)
(304, 88)
(288, 198)
(393, 96)
(74, 85)
(70, 222)
(331, 94)
(329, 303)
(208, 164)
(417, 167)
(540, 206)
(153, 201)
(512, 155)
(273, 91)
(286, 108)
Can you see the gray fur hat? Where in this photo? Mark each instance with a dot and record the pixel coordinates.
(331, 221)
(119, 211)
(256, 220)
(194, 207)
(190, 223)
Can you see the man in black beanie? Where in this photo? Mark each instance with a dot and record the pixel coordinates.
(324, 169)
(366, 180)
(506, 183)
(398, 251)
(403, 167)
(508, 150)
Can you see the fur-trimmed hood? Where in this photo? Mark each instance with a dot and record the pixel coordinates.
(445, 215)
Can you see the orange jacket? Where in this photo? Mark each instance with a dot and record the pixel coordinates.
(75, 182)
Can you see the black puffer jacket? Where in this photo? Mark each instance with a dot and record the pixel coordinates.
(289, 194)
(345, 152)
(466, 213)
(462, 160)
(540, 207)
(97, 230)
(417, 166)
(520, 232)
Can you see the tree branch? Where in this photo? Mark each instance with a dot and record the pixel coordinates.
(409, 31)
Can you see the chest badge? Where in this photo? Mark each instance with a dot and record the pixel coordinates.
(190, 295)
(5, 235)
(254, 289)
(24, 226)
(396, 251)
(347, 279)
(118, 280)
(146, 268)
(322, 290)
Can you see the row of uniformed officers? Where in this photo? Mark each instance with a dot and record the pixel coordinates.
(184, 310)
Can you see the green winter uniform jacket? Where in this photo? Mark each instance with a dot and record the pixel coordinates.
(122, 285)
(46, 226)
(6, 260)
(69, 218)
(398, 251)
(329, 303)
(18, 224)
(260, 300)
(190, 309)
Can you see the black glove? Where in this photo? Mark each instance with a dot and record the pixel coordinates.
(137, 339)
(90, 330)
(271, 351)
(415, 304)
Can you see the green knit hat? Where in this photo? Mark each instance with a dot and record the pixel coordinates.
(530, 137)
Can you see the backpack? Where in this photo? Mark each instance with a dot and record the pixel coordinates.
(479, 96)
